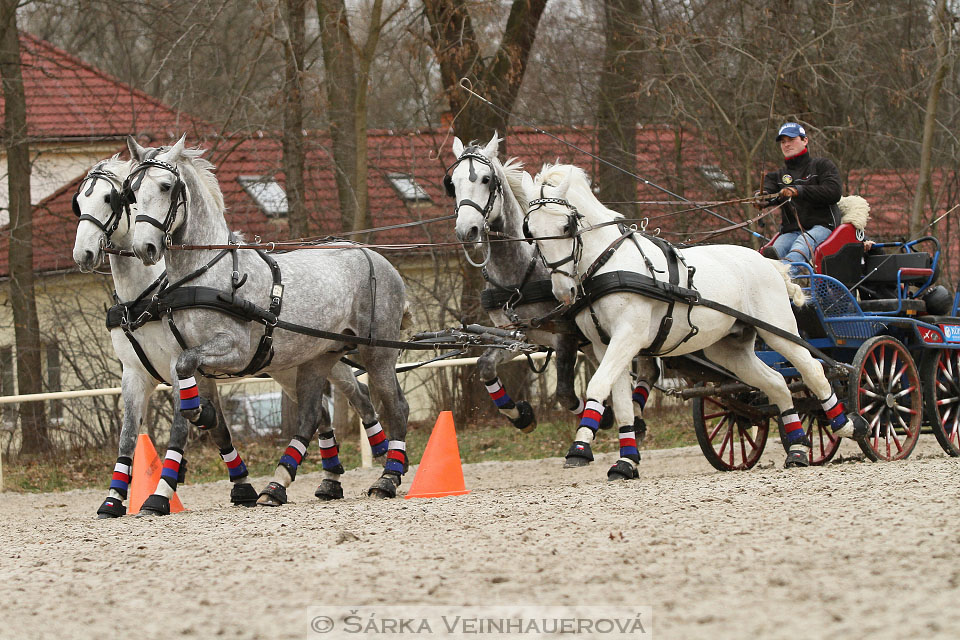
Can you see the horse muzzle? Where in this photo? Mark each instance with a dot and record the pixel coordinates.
(87, 260)
(149, 253)
(564, 289)
(468, 234)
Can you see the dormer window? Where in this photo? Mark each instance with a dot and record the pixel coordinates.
(267, 193)
(717, 177)
(407, 187)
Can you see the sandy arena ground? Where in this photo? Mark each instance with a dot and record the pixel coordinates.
(853, 550)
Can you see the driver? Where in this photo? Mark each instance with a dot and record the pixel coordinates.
(808, 188)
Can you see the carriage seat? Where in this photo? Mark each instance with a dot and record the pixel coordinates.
(839, 256)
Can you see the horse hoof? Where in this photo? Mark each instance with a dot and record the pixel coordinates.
(329, 490)
(244, 495)
(155, 505)
(639, 429)
(273, 495)
(623, 470)
(526, 422)
(385, 487)
(111, 508)
(579, 455)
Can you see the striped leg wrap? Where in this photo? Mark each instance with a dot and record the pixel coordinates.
(628, 443)
(500, 398)
(835, 412)
(792, 426)
(396, 457)
(189, 396)
(377, 438)
(294, 455)
(235, 465)
(171, 467)
(640, 393)
(121, 476)
(330, 453)
(589, 421)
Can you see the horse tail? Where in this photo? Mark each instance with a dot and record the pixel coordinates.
(407, 317)
(794, 291)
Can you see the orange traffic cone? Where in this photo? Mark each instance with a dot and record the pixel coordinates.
(440, 473)
(145, 475)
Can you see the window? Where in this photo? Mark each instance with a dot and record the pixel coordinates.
(267, 193)
(407, 187)
(717, 177)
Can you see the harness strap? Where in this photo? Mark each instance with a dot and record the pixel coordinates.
(141, 354)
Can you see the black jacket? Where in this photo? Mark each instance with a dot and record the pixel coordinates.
(818, 185)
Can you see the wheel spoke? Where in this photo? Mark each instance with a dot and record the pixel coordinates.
(713, 434)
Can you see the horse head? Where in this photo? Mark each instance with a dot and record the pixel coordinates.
(157, 187)
(103, 215)
(474, 182)
(553, 223)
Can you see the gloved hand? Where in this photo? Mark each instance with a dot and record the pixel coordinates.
(789, 192)
(759, 204)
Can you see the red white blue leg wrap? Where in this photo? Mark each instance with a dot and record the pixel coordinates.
(293, 455)
(330, 453)
(396, 457)
(640, 393)
(121, 476)
(792, 426)
(628, 443)
(171, 467)
(500, 398)
(377, 438)
(835, 412)
(235, 465)
(589, 421)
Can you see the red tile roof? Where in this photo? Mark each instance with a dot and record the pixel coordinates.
(69, 99)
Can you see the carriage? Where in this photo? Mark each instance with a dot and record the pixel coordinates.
(893, 337)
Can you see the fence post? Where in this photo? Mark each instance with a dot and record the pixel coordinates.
(366, 453)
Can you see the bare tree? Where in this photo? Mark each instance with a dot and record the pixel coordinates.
(33, 421)
(293, 14)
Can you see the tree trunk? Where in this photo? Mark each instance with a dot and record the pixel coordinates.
(341, 88)
(942, 28)
(294, 14)
(33, 421)
(618, 108)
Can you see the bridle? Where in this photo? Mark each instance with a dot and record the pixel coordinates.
(118, 204)
(496, 188)
(571, 231)
(178, 193)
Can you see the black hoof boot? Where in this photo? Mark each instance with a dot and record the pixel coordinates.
(639, 429)
(155, 505)
(329, 490)
(244, 495)
(111, 508)
(606, 420)
(579, 455)
(273, 495)
(385, 486)
(526, 421)
(623, 470)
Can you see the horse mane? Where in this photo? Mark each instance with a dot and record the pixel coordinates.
(579, 194)
(205, 171)
(513, 170)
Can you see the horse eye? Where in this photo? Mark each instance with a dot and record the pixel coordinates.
(164, 187)
(106, 198)
(486, 180)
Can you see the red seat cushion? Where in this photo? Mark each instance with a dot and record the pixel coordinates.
(843, 235)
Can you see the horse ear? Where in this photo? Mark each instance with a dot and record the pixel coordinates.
(527, 183)
(457, 146)
(136, 151)
(564, 185)
(173, 153)
(491, 149)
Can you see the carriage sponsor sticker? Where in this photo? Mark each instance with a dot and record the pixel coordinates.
(929, 335)
(951, 332)
(520, 621)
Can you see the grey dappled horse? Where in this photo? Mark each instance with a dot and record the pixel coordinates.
(573, 230)
(490, 199)
(104, 220)
(345, 291)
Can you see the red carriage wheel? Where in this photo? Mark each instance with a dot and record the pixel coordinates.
(731, 431)
(884, 388)
(940, 372)
(823, 444)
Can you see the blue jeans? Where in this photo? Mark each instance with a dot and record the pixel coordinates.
(792, 247)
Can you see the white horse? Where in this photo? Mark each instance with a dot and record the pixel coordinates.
(346, 291)
(490, 198)
(104, 220)
(573, 230)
